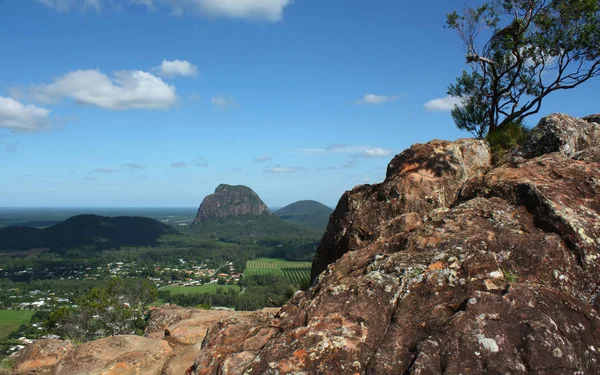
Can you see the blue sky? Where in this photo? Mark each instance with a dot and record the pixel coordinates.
(156, 102)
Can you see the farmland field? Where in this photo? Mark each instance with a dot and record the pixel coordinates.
(296, 272)
(207, 288)
(10, 320)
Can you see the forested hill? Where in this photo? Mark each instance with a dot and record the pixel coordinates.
(100, 232)
(308, 213)
(249, 228)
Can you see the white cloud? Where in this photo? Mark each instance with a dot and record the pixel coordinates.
(124, 90)
(224, 102)
(175, 68)
(443, 104)
(64, 6)
(261, 159)
(148, 3)
(19, 117)
(377, 99)
(261, 10)
(362, 151)
(179, 164)
(280, 169)
(374, 152)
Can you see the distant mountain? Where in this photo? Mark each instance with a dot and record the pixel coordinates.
(231, 201)
(309, 214)
(100, 232)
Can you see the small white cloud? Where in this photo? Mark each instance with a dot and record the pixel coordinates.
(20, 117)
(280, 169)
(179, 164)
(377, 99)
(91, 179)
(236, 170)
(362, 151)
(64, 6)
(194, 97)
(134, 166)
(262, 159)
(105, 170)
(262, 10)
(148, 3)
(125, 90)
(224, 102)
(443, 104)
(177, 68)
(375, 152)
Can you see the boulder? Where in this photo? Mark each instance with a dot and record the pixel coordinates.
(234, 343)
(41, 356)
(186, 326)
(593, 118)
(123, 355)
(561, 133)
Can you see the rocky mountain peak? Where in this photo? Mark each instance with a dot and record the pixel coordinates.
(228, 201)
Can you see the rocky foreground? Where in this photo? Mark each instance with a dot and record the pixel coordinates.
(450, 266)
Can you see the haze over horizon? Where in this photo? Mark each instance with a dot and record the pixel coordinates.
(153, 103)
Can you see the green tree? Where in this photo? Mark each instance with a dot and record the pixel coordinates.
(118, 308)
(520, 51)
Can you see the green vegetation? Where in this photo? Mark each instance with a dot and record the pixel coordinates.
(519, 52)
(309, 214)
(248, 229)
(97, 274)
(206, 288)
(505, 139)
(10, 320)
(117, 309)
(509, 276)
(258, 291)
(297, 273)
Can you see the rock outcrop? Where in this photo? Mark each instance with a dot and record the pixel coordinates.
(561, 133)
(228, 201)
(420, 179)
(155, 353)
(42, 356)
(450, 266)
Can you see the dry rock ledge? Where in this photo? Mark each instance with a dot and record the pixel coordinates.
(449, 266)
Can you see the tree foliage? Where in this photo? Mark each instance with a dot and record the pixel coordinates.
(520, 51)
(116, 309)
